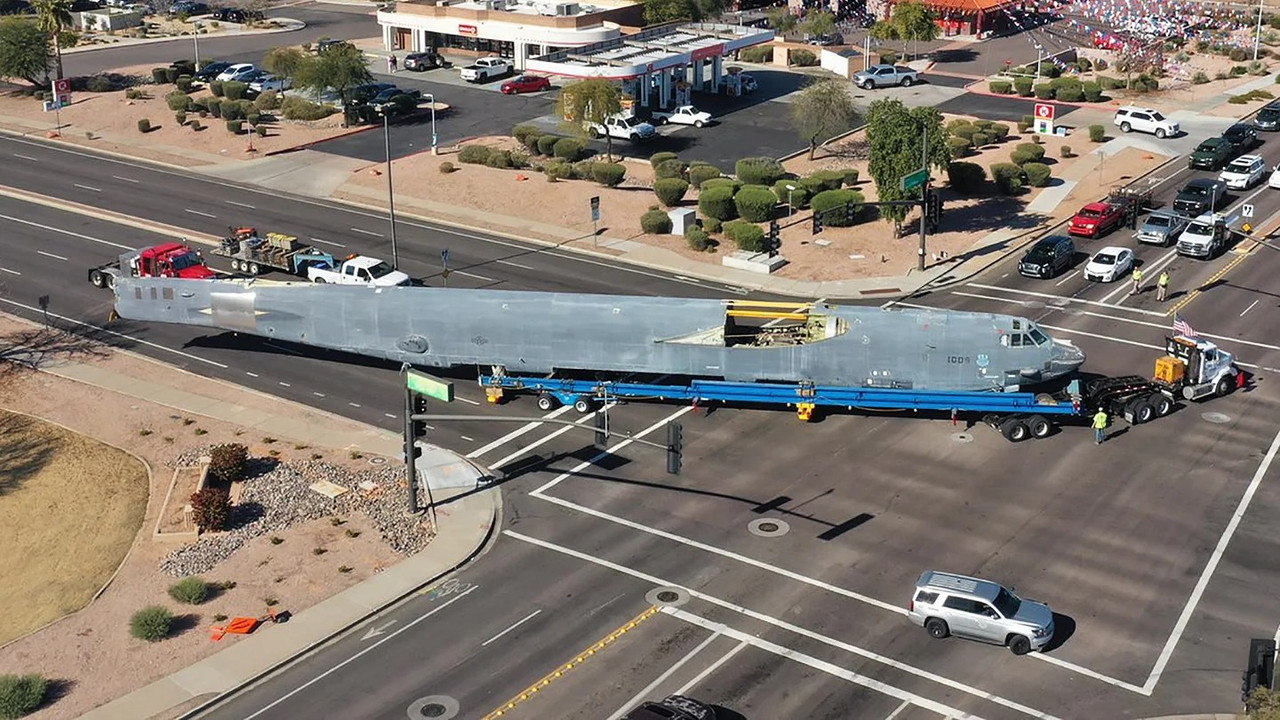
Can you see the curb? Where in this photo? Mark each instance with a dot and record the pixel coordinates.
(308, 145)
(108, 215)
(155, 41)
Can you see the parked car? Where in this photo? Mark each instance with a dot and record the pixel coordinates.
(1211, 154)
(238, 72)
(1147, 120)
(946, 604)
(362, 94)
(824, 40)
(188, 8)
(395, 101)
(236, 15)
(1242, 136)
(1161, 227)
(1109, 264)
(428, 60)
(269, 82)
(211, 71)
(526, 83)
(1269, 116)
(623, 126)
(683, 115)
(878, 76)
(1244, 172)
(1096, 219)
(324, 44)
(748, 83)
(1048, 257)
(486, 68)
(674, 707)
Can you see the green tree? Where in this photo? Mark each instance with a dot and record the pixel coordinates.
(657, 12)
(284, 63)
(52, 17)
(781, 20)
(818, 24)
(590, 101)
(1263, 704)
(883, 31)
(914, 21)
(894, 140)
(821, 110)
(341, 69)
(25, 51)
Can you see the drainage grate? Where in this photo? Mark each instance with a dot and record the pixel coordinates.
(768, 527)
(433, 707)
(667, 596)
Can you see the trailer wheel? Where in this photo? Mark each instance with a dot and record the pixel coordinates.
(235, 265)
(253, 268)
(97, 279)
(1014, 430)
(1143, 412)
(1162, 404)
(111, 281)
(1223, 388)
(547, 401)
(583, 405)
(1039, 427)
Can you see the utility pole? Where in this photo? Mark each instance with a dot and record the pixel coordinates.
(924, 193)
(391, 193)
(411, 466)
(1257, 36)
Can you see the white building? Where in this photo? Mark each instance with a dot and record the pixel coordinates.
(514, 29)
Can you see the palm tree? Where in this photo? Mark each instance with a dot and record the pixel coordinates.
(52, 17)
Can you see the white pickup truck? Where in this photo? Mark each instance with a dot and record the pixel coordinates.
(486, 68)
(878, 76)
(1205, 236)
(625, 127)
(683, 115)
(359, 270)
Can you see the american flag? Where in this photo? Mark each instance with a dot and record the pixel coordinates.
(1181, 327)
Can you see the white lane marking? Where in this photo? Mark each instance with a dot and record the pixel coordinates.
(59, 257)
(327, 242)
(366, 232)
(90, 188)
(1061, 297)
(781, 624)
(706, 672)
(25, 157)
(513, 264)
(1209, 567)
(468, 439)
(473, 275)
(124, 179)
(525, 450)
(354, 405)
(805, 659)
(1124, 341)
(688, 279)
(50, 228)
(112, 332)
(605, 453)
(1255, 302)
(517, 432)
(517, 624)
(651, 687)
(251, 374)
(1063, 280)
(317, 394)
(898, 710)
(360, 654)
(1238, 205)
(240, 204)
(197, 212)
(285, 384)
(393, 417)
(466, 400)
(11, 272)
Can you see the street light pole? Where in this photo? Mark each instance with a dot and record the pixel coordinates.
(391, 194)
(1257, 36)
(924, 192)
(195, 38)
(434, 138)
(791, 208)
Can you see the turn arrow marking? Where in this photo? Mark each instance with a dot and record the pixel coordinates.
(376, 631)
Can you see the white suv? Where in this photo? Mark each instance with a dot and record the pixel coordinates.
(1145, 120)
(947, 604)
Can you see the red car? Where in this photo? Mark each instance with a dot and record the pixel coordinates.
(1097, 219)
(524, 84)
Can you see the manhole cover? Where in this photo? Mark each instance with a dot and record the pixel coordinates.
(961, 437)
(667, 596)
(435, 707)
(377, 461)
(1216, 417)
(768, 527)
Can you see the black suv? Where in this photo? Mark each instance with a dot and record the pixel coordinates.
(328, 44)
(675, 707)
(1242, 136)
(211, 71)
(1048, 257)
(236, 15)
(362, 94)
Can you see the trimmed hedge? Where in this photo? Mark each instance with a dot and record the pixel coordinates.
(1097, 133)
(997, 132)
(151, 623)
(759, 171)
(712, 225)
(1038, 174)
(755, 203)
(158, 75)
(178, 101)
(757, 54)
(1022, 85)
(1027, 152)
(296, 108)
(717, 202)
(829, 200)
(269, 100)
(215, 87)
(966, 177)
(655, 222)
(802, 58)
(234, 90)
(670, 191)
(701, 172)
(1008, 178)
(547, 144)
(733, 185)
(697, 239)
(235, 127)
(184, 84)
(830, 179)
(570, 149)
(850, 176)
(1045, 91)
(475, 154)
(658, 158)
(557, 170)
(959, 146)
(745, 235)
(531, 142)
(21, 694)
(1001, 87)
(981, 140)
(609, 174)
(1092, 91)
(670, 168)
(144, 125)
(799, 198)
(522, 132)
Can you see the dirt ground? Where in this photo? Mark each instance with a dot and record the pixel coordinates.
(868, 249)
(90, 653)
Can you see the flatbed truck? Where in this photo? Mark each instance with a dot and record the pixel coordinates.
(173, 259)
(253, 254)
(1192, 369)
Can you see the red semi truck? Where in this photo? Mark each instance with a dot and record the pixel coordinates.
(165, 260)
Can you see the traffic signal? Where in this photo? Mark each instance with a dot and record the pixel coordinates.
(772, 243)
(602, 428)
(850, 213)
(1261, 666)
(675, 444)
(419, 408)
(817, 222)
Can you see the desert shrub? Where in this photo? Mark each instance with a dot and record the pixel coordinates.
(133, 94)
(1092, 91)
(959, 146)
(832, 203)
(712, 225)
(269, 100)
(234, 90)
(658, 158)
(170, 74)
(850, 176)
(558, 170)
(1044, 91)
(215, 87)
(214, 106)
(234, 109)
(1038, 174)
(500, 159)
(252, 115)
(700, 173)
(1238, 54)
(1097, 133)
(802, 58)
(670, 191)
(583, 170)
(1050, 69)
(531, 142)
(151, 623)
(523, 131)
(812, 184)
(447, 167)
(99, 84)
(717, 202)
(1070, 93)
(889, 58)
(1022, 86)
(1000, 87)
(1031, 151)
(758, 170)
(177, 101)
(1145, 83)
(1026, 122)
(655, 222)
(997, 132)
(799, 197)
(195, 125)
(830, 179)
(671, 168)
(211, 509)
(158, 75)
(1066, 151)
(981, 139)
(184, 84)
(519, 160)
(965, 130)
(180, 117)
(757, 54)
(474, 154)
(569, 149)
(1084, 65)
(755, 203)
(296, 108)
(191, 590)
(227, 461)
(733, 185)
(1109, 83)
(144, 125)
(547, 144)
(609, 174)
(21, 694)
(1008, 177)
(697, 239)
(966, 177)
(747, 236)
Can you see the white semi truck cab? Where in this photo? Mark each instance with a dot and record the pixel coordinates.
(1196, 368)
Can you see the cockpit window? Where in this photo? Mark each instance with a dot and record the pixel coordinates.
(1038, 337)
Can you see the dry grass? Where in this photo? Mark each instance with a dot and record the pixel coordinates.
(70, 508)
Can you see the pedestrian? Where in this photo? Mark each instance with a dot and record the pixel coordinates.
(1137, 281)
(1162, 286)
(1100, 426)
(391, 63)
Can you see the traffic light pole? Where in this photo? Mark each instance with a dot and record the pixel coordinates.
(924, 197)
(411, 466)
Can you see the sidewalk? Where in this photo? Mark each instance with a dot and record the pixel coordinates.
(226, 29)
(466, 517)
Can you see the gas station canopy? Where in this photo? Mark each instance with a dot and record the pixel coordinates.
(650, 51)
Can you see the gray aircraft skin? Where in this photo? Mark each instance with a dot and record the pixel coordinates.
(530, 333)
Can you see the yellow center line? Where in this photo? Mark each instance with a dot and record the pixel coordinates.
(531, 691)
(1243, 253)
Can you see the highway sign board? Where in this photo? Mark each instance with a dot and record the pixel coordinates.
(595, 209)
(915, 179)
(1246, 210)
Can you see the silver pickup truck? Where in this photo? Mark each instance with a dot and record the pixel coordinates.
(885, 76)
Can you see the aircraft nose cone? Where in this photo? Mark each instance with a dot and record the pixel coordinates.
(1065, 357)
